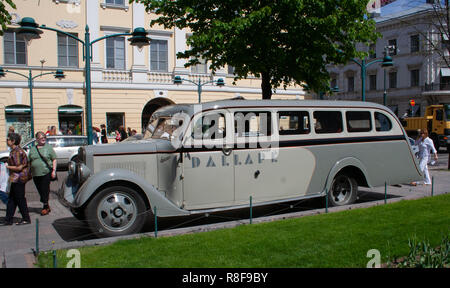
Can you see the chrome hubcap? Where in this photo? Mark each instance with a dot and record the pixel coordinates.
(117, 211)
(342, 189)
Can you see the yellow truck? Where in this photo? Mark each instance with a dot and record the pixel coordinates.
(436, 120)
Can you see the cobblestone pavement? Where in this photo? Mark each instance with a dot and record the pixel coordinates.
(60, 229)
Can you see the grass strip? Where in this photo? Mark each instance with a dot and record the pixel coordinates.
(340, 239)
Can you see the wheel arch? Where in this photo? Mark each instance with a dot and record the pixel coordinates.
(352, 167)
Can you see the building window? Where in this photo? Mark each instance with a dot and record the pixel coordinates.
(351, 84)
(393, 44)
(19, 117)
(67, 51)
(373, 51)
(70, 119)
(373, 82)
(113, 122)
(115, 53)
(415, 44)
(159, 56)
(201, 68)
(115, 2)
(15, 49)
(415, 77)
(393, 79)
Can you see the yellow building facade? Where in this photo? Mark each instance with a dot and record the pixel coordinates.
(128, 84)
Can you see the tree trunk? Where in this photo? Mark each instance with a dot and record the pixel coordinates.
(265, 86)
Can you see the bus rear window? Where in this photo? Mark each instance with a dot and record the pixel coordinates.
(358, 121)
(327, 122)
(382, 122)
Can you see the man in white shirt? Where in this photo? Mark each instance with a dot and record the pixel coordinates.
(425, 145)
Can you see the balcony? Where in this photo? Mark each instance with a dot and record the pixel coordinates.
(436, 87)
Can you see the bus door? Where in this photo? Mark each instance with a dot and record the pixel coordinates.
(208, 170)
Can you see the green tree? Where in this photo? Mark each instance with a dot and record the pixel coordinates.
(5, 17)
(281, 41)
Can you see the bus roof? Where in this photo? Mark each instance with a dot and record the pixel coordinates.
(224, 104)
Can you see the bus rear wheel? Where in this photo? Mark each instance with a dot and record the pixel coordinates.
(344, 190)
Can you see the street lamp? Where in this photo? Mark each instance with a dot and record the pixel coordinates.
(30, 30)
(178, 80)
(59, 74)
(386, 62)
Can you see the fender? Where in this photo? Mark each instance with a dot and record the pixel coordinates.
(94, 182)
(341, 164)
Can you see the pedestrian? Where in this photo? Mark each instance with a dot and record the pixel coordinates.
(53, 131)
(118, 135)
(95, 139)
(425, 145)
(43, 168)
(4, 182)
(19, 174)
(11, 129)
(123, 133)
(129, 131)
(104, 138)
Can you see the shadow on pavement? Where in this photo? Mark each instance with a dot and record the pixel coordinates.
(71, 229)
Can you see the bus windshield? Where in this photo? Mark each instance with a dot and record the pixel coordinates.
(164, 127)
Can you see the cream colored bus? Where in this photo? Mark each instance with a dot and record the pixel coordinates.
(214, 156)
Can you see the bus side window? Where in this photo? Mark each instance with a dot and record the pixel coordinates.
(293, 122)
(382, 122)
(358, 121)
(252, 124)
(327, 122)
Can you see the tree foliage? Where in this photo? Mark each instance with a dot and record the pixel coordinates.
(5, 17)
(281, 41)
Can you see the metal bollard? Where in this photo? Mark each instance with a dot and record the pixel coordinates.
(251, 208)
(37, 237)
(156, 224)
(55, 263)
(385, 193)
(432, 186)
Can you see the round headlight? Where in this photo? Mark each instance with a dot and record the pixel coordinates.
(72, 169)
(82, 155)
(83, 172)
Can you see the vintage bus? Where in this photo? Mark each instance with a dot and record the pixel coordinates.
(201, 158)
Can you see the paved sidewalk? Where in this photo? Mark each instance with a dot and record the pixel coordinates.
(60, 227)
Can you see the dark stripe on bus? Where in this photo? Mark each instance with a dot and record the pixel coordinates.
(267, 145)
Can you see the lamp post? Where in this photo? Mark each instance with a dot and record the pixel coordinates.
(386, 65)
(30, 30)
(178, 80)
(59, 74)
(385, 62)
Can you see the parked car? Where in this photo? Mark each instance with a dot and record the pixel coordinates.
(65, 146)
(414, 147)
